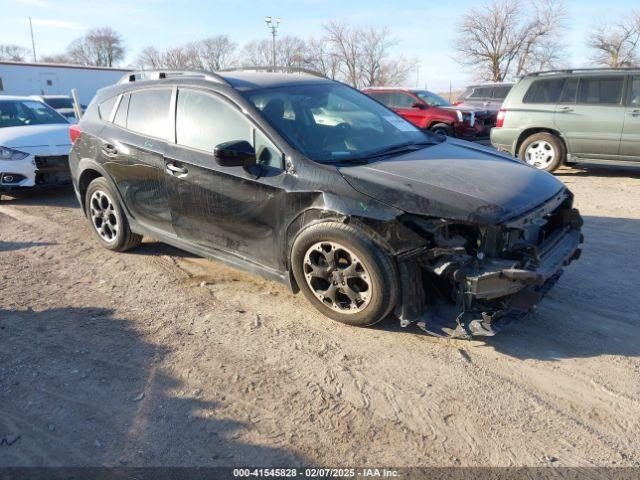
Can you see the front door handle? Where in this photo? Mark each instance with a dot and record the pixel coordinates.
(109, 150)
(176, 171)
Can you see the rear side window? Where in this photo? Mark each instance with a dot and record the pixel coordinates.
(106, 107)
(544, 91)
(383, 97)
(149, 113)
(600, 90)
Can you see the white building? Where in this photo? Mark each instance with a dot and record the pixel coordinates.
(18, 78)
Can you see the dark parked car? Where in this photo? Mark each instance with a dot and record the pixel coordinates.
(429, 111)
(366, 216)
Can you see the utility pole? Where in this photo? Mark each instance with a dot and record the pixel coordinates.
(33, 43)
(273, 23)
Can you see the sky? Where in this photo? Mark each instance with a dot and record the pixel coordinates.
(425, 30)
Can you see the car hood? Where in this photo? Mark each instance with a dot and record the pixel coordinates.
(455, 180)
(35, 136)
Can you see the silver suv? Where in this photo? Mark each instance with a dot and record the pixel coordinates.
(550, 118)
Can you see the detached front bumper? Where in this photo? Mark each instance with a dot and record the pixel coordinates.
(489, 293)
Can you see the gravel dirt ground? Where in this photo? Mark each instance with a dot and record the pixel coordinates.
(157, 358)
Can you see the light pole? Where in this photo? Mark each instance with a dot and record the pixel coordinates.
(273, 23)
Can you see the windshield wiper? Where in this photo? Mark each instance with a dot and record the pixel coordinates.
(409, 146)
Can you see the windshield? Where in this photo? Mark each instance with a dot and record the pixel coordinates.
(17, 113)
(432, 99)
(330, 123)
(59, 102)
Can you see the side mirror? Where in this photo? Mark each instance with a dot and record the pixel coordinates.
(238, 153)
(418, 105)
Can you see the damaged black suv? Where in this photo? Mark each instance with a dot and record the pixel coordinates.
(309, 182)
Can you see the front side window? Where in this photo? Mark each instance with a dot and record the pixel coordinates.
(600, 90)
(569, 91)
(149, 113)
(402, 100)
(18, 113)
(544, 91)
(204, 121)
(634, 92)
(432, 99)
(333, 123)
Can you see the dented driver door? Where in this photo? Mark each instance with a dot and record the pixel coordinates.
(233, 209)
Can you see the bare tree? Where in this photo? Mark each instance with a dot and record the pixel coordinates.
(616, 45)
(321, 58)
(507, 37)
(290, 52)
(99, 47)
(345, 43)
(216, 53)
(56, 58)
(13, 53)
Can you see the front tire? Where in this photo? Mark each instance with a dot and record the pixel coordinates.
(108, 221)
(344, 274)
(543, 151)
(442, 129)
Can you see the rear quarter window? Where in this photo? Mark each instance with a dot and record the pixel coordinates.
(383, 97)
(546, 90)
(106, 108)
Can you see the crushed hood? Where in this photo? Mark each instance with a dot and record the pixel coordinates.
(35, 136)
(455, 180)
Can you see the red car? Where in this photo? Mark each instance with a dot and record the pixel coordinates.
(429, 111)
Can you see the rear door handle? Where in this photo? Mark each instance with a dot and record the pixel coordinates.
(109, 150)
(634, 113)
(565, 110)
(176, 171)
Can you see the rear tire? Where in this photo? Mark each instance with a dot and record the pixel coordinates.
(344, 274)
(106, 216)
(544, 151)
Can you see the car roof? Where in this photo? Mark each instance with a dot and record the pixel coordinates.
(584, 71)
(239, 79)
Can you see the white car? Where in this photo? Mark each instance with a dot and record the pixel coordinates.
(34, 144)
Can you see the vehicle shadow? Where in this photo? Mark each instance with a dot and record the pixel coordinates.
(599, 170)
(10, 246)
(62, 196)
(158, 249)
(83, 387)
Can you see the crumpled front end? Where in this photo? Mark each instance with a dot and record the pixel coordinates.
(470, 280)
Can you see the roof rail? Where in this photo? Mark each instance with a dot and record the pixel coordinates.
(582, 70)
(275, 69)
(163, 74)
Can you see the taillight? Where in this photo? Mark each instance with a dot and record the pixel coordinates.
(502, 114)
(74, 133)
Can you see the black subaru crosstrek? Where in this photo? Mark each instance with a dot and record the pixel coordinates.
(309, 182)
